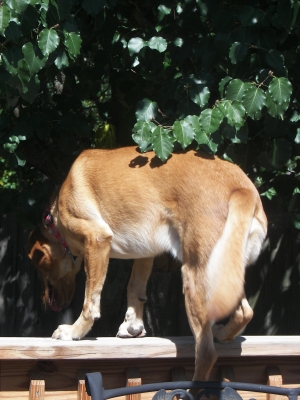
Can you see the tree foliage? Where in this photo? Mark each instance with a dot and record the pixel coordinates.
(221, 76)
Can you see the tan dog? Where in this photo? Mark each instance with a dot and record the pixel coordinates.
(123, 204)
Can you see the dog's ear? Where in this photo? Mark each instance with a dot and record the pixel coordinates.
(36, 250)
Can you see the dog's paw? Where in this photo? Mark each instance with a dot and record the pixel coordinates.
(129, 330)
(220, 332)
(65, 332)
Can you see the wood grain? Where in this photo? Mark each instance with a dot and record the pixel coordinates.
(148, 347)
(274, 379)
(37, 389)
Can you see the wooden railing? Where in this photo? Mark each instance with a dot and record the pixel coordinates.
(40, 368)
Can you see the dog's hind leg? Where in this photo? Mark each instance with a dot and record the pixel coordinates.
(194, 287)
(133, 325)
(96, 257)
(238, 320)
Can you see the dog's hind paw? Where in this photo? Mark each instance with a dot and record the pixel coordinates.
(222, 334)
(127, 330)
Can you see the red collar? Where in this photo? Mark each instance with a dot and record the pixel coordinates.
(48, 219)
(49, 223)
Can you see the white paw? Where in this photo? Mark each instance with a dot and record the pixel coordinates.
(129, 329)
(65, 332)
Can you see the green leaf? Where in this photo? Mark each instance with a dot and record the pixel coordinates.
(276, 61)
(164, 10)
(296, 221)
(280, 90)
(254, 100)
(60, 9)
(93, 7)
(270, 193)
(11, 57)
(296, 13)
(146, 110)
(238, 52)
(183, 133)
(250, 16)
(4, 18)
(233, 134)
(18, 5)
(224, 83)
(234, 111)
(178, 42)
(48, 41)
(162, 143)
(193, 120)
(72, 43)
(10, 147)
(210, 119)
(61, 60)
(34, 58)
(20, 162)
(208, 142)
(158, 43)
(235, 89)
(13, 32)
(135, 45)
(29, 20)
(142, 135)
(199, 94)
(297, 138)
(275, 109)
(23, 74)
(295, 117)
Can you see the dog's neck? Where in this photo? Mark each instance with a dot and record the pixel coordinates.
(48, 222)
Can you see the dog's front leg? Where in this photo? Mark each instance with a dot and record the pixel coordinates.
(95, 262)
(133, 325)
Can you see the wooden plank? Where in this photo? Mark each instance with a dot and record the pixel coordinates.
(37, 389)
(178, 374)
(274, 379)
(149, 347)
(81, 392)
(133, 378)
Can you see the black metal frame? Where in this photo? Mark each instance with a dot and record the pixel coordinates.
(223, 390)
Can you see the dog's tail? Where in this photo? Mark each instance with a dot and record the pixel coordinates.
(238, 246)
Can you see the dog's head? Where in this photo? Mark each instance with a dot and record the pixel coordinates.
(57, 268)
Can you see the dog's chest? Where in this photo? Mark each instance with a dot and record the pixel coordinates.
(146, 242)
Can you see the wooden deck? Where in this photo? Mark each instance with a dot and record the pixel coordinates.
(43, 368)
